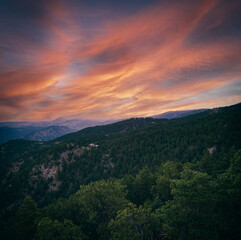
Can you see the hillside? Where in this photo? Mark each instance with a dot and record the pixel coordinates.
(122, 149)
(48, 130)
(45, 171)
(118, 127)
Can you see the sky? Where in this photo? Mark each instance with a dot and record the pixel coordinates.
(99, 59)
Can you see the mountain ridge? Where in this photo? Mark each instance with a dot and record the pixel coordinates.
(27, 130)
(48, 133)
(179, 114)
(113, 151)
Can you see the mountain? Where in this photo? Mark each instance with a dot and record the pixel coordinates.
(8, 133)
(33, 133)
(179, 114)
(39, 130)
(114, 150)
(76, 124)
(152, 160)
(48, 133)
(71, 123)
(118, 127)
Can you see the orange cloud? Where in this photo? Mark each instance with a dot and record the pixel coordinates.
(137, 66)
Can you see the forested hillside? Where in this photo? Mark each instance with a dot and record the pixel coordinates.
(118, 127)
(136, 179)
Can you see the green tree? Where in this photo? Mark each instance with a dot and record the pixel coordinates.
(54, 230)
(164, 176)
(228, 201)
(162, 188)
(206, 164)
(142, 185)
(27, 219)
(135, 223)
(98, 203)
(190, 215)
(170, 170)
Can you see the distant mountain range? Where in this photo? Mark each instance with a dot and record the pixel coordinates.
(71, 123)
(179, 114)
(48, 130)
(49, 133)
(42, 131)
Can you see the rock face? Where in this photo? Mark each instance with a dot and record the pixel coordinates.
(49, 133)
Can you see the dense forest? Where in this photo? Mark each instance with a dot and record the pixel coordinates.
(135, 179)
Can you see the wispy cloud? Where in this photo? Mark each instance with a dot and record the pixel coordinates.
(141, 64)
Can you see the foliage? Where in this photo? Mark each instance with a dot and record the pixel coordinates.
(49, 229)
(135, 223)
(27, 217)
(188, 216)
(178, 179)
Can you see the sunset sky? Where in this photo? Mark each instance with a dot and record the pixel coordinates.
(117, 59)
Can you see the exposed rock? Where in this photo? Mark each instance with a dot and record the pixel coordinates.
(15, 167)
(212, 149)
(46, 173)
(92, 145)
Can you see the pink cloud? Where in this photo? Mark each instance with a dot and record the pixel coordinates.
(135, 66)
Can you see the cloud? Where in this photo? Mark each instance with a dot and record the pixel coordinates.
(136, 65)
